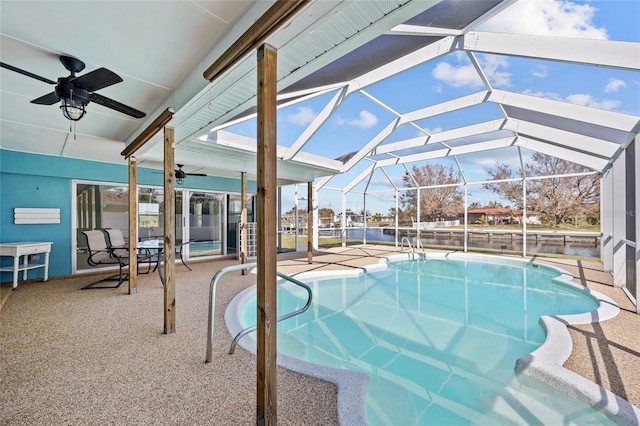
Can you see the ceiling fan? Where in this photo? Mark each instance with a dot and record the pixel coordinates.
(75, 92)
(181, 174)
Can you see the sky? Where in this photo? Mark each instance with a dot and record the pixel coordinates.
(452, 76)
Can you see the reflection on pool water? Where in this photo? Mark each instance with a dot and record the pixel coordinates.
(438, 339)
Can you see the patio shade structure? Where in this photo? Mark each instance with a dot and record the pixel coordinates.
(340, 53)
(337, 53)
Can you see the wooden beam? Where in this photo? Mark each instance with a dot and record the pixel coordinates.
(133, 226)
(169, 252)
(310, 222)
(153, 128)
(243, 220)
(269, 22)
(266, 244)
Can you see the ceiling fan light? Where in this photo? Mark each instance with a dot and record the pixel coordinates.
(72, 109)
(180, 180)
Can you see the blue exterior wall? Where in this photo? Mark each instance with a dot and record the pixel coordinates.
(31, 180)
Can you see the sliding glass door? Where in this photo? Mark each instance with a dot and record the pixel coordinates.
(151, 214)
(201, 217)
(98, 206)
(205, 224)
(199, 220)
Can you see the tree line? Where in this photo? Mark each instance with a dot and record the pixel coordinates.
(554, 199)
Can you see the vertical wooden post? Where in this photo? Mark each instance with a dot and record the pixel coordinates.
(279, 208)
(133, 226)
(169, 252)
(243, 220)
(266, 413)
(310, 222)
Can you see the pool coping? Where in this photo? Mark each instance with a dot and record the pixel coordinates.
(544, 364)
(351, 385)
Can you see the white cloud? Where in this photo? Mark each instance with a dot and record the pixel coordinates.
(464, 74)
(338, 120)
(492, 65)
(578, 99)
(540, 71)
(457, 76)
(614, 85)
(547, 95)
(305, 115)
(590, 101)
(365, 120)
(547, 17)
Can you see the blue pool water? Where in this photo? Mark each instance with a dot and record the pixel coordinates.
(438, 339)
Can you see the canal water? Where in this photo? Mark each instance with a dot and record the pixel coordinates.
(571, 249)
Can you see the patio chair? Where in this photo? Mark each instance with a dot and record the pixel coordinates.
(100, 254)
(120, 248)
(103, 250)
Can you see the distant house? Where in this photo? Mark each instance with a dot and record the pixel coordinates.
(499, 216)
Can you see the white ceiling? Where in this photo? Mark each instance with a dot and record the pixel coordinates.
(152, 45)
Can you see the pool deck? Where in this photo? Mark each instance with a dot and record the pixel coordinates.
(99, 356)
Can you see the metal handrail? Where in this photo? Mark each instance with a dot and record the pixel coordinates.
(419, 245)
(413, 254)
(248, 330)
(408, 242)
(212, 297)
(212, 301)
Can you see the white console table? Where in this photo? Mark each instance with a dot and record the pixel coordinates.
(16, 250)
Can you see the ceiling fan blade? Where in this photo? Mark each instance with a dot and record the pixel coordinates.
(195, 174)
(97, 79)
(115, 105)
(48, 99)
(27, 73)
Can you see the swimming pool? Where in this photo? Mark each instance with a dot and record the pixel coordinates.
(433, 341)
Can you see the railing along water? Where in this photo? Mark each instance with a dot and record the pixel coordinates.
(212, 304)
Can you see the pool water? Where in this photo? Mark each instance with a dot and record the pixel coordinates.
(438, 339)
(204, 248)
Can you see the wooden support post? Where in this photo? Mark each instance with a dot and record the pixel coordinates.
(133, 226)
(279, 208)
(310, 222)
(243, 220)
(266, 413)
(169, 252)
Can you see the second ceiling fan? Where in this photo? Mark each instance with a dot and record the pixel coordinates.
(181, 174)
